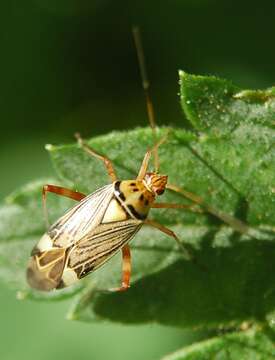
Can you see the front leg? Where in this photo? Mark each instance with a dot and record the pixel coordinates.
(146, 159)
(235, 223)
(171, 233)
(192, 207)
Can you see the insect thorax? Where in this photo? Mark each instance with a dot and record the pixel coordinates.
(135, 198)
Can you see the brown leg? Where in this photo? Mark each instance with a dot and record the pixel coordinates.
(144, 165)
(146, 159)
(107, 162)
(170, 233)
(236, 224)
(126, 269)
(176, 206)
(75, 195)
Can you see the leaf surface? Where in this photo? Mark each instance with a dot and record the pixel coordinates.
(251, 344)
(230, 167)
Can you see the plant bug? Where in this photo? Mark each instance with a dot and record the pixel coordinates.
(104, 222)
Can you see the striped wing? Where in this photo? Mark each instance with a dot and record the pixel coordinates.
(45, 267)
(78, 221)
(96, 248)
(60, 267)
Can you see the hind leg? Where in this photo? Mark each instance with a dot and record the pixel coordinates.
(58, 190)
(126, 269)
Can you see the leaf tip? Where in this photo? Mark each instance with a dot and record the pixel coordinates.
(49, 147)
(182, 76)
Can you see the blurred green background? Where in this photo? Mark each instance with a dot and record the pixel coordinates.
(71, 65)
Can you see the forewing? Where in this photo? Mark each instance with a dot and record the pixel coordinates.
(48, 267)
(79, 220)
(99, 246)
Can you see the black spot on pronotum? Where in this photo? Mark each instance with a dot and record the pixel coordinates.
(117, 186)
(133, 184)
(122, 196)
(135, 213)
(135, 189)
(118, 191)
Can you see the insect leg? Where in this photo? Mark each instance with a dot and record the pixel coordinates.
(144, 165)
(169, 233)
(236, 224)
(146, 159)
(107, 162)
(75, 195)
(176, 206)
(126, 269)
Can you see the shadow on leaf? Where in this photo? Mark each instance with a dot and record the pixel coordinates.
(238, 286)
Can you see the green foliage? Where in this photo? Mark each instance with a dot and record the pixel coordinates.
(250, 344)
(227, 159)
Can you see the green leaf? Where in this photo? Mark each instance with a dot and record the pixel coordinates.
(250, 344)
(232, 173)
(217, 106)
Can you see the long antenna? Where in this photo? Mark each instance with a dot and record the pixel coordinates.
(146, 86)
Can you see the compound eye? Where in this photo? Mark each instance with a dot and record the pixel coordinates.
(160, 191)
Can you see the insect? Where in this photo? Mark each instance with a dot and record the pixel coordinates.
(104, 222)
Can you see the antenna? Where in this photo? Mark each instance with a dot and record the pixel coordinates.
(146, 86)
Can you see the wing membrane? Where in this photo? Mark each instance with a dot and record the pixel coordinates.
(79, 220)
(78, 243)
(96, 248)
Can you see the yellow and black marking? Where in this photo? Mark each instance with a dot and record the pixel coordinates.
(134, 197)
(91, 232)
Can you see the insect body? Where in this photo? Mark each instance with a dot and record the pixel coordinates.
(94, 230)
